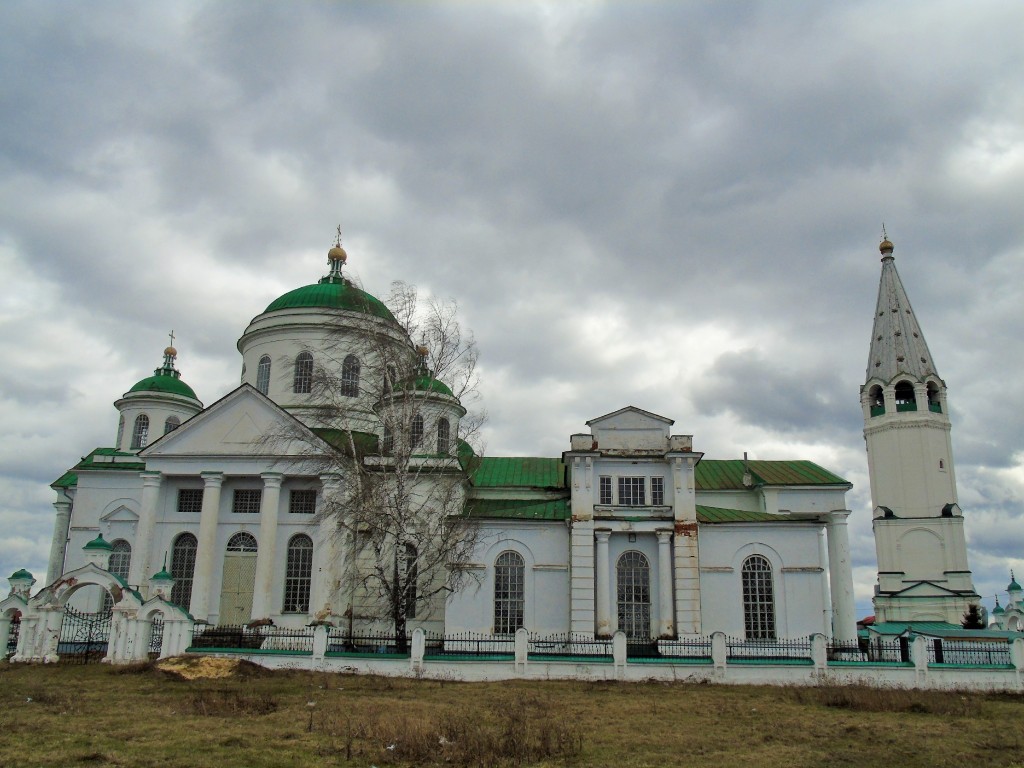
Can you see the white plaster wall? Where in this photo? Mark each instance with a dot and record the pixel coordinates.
(904, 451)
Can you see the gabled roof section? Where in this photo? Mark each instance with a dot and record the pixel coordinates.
(727, 475)
(518, 509)
(101, 459)
(722, 515)
(630, 409)
(897, 342)
(518, 472)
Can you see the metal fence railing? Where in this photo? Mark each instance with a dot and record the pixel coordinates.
(240, 638)
(967, 653)
(876, 651)
(474, 644)
(694, 648)
(568, 644)
(341, 641)
(12, 637)
(156, 636)
(769, 650)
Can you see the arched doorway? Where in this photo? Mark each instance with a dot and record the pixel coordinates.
(633, 577)
(239, 580)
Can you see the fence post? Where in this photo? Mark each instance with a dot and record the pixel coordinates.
(522, 648)
(619, 651)
(418, 649)
(320, 632)
(719, 653)
(919, 655)
(819, 652)
(1017, 659)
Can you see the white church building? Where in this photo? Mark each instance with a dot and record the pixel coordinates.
(631, 529)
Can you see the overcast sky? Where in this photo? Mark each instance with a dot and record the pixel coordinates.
(670, 205)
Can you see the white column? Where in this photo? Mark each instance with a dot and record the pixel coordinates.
(844, 622)
(666, 605)
(138, 570)
(328, 552)
(826, 620)
(60, 540)
(206, 554)
(263, 597)
(603, 585)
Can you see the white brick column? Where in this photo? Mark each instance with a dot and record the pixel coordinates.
(206, 554)
(270, 505)
(58, 546)
(666, 605)
(138, 570)
(844, 622)
(603, 585)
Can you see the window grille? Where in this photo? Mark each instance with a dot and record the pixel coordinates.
(412, 573)
(443, 436)
(509, 593)
(263, 375)
(632, 491)
(183, 567)
(298, 574)
(302, 502)
(606, 490)
(119, 565)
(172, 423)
(140, 435)
(633, 573)
(416, 433)
(657, 491)
(246, 501)
(303, 383)
(388, 443)
(190, 501)
(350, 376)
(758, 598)
(242, 542)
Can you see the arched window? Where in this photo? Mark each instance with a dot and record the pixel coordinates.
(140, 435)
(388, 443)
(412, 574)
(120, 432)
(350, 376)
(298, 574)
(263, 375)
(876, 400)
(509, 593)
(933, 398)
(183, 567)
(416, 432)
(242, 542)
(303, 384)
(172, 423)
(443, 436)
(905, 400)
(758, 598)
(633, 576)
(120, 563)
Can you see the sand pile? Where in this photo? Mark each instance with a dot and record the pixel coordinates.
(199, 667)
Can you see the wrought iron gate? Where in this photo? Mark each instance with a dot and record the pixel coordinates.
(83, 636)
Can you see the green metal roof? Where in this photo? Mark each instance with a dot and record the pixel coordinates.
(332, 295)
(519, 509)
(365, 442)
(99, 543)
(161, 382)
(518, 471)
(21, 574)
(68, 480)
(898, 627)
(424, 383)
(721, 515)
(720, 475)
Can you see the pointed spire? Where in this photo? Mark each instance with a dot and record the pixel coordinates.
(897, 343)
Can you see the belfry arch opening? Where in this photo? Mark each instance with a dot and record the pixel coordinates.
(934, 404)
(905, 400)
(876, 400)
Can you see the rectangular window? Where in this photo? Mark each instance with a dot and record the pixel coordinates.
(606, 490)
(190, 500)
(632, 491)
(246, 501)
(302, 502)
(657, 491)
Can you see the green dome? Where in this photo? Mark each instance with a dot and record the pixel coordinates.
(332, 294)
(998, 609)
(21, 574)
(1013, 585)
(99, 543)
(424, 383)
(162, 382)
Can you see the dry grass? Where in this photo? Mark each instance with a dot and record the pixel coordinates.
(143, 716)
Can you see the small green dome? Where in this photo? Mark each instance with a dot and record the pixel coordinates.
(21, 574)
(1013, 586)
(161, 575)
(99, 543)
(998, 609)
(165, 383)
(423, 383)
(332, 293)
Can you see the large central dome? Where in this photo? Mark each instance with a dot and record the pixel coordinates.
(332, 293)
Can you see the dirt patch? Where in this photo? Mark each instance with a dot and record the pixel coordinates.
(200, 667)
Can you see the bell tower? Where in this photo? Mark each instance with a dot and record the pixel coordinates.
(918, 526)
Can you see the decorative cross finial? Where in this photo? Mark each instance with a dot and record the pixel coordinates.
(171, 334)
(337, 237)
(884, 236)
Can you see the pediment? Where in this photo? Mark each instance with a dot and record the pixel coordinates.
(121, 514)
(925, 589)
(631, 428)
(243, 423)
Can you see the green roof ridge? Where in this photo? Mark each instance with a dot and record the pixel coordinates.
(162, 382)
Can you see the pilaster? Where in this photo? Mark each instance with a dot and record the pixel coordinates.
(666, 606)
(844, 622)
(206, 553)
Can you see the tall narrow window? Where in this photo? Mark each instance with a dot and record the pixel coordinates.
(509, 594)
(388, 443)
(140, 434)
(657, 491)
(416, 433)
(172, 423)
(412, 573)
(298, 574)
(263, 375)
(633, 577)
(443, 436)
(183, 567)
(631, 491)
(350, 376)
(758, 598)
(120, 563)
(606, 490)
(303, 383)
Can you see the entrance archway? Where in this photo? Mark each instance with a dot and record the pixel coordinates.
(238, 581)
